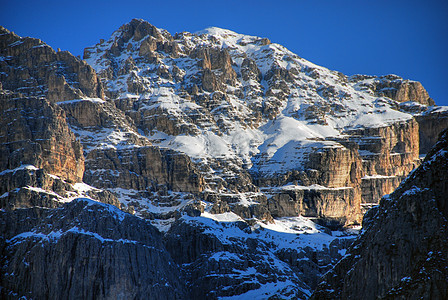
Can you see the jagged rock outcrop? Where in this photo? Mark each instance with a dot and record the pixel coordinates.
(31, 67)
(84, 250)
(234, 84)
(402, 252)
(225, 259)
(394, 87)
(431, 123)
(329, 206)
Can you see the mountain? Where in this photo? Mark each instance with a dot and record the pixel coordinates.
(242, 165)
(402, 250)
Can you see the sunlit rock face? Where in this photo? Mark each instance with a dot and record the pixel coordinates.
(394, 87)
(402, 251)
(247, 158)
(242, 107)
(33, 68)
(34, 132)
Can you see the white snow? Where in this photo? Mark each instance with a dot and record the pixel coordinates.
(22, 167)
(266, 291)
(94, 100)
(54, 236)
(288, 232)
(277, 145)
(376, 176)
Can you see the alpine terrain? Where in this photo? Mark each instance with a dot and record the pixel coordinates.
(213, 165)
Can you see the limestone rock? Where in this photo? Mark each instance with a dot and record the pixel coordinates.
(84, 250)
(217, 138)
(388, 154)
(402, 252)
(35, 69)
(217, 264)
(333, 207)
(431, 123)
(394, 87)
(142, 168)
(35, 132)
(249, 70)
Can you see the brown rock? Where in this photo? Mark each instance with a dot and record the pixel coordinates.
(35, 69)
(430, 125)
(141, 169)
(332, 206)
(395, 87)
(402, 252)
(34, 132)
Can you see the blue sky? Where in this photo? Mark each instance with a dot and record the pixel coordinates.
(407, 38)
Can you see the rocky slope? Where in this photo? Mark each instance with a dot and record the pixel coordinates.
(402, 251)
(232, 146)
(33, 68)
(84, 250)
(252, 114)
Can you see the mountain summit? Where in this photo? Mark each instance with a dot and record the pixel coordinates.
(252, 115)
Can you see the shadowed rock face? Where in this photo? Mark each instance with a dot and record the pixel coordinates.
(402, 252)
(229, 259)
(430, 126)
(84, 250)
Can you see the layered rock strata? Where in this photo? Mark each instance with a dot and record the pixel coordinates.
(329, 206)
(33, 68)
(388, 155)
(402, 252)
(234, 116)
(84, 249)
(394, 87)
(35, 132)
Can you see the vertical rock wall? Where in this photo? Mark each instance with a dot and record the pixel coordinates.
(402, 252)
(35, 132)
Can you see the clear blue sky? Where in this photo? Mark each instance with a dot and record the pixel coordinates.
(377, 37)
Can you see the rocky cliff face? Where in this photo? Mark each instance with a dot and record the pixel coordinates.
(224, 259)
(34, 132)
(84, 250)
(31, 67)
(401, 253)
(117, 156)
(431, 123)
(42, 162)
(250, 113)
(394, 87)
(232, 146)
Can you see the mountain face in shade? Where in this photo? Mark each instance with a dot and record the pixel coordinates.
(87, 250)
(402, 251)
(237, 164)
